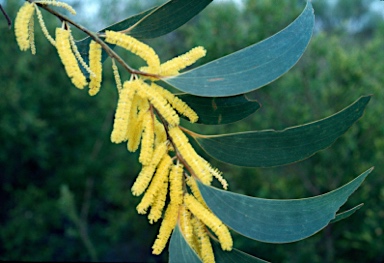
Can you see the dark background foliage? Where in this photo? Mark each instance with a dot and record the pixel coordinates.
(65, 188)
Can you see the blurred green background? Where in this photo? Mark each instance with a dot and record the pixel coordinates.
(65, 188)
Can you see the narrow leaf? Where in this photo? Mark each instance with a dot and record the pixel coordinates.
(251, 67)
(233, 256)
(167, 18)
(271, 148)
(179, 250)
(346, 214)
(274, 220)
(224, 110)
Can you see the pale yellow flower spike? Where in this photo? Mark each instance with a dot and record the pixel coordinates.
(210, 220)
(200, 169)
(132, 122)
(116, 75)
(166, 228)
(160, 134)
(186, 226)
(78, 55)
(160, 103)
(135, 132)
(43, 27)
(191, 182)
(218, 175)
(147, 171)
(95, 66)
(22, 20)
(147, 140)
(159, 203)
(136, 47)
(162, 172)
(176, 183)
(177, 103)
(173, 66)
(122, 113)
(59, 4)
(31, 35)
(205, 247)
(68, 58)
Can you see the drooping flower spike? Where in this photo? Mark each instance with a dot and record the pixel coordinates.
(68, 58)
(22, 21)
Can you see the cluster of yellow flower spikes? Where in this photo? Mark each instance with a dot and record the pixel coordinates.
(147, 115)
(64, 42)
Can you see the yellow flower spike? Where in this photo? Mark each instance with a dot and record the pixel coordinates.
(160, 134)
(43, 27)
(159, 203)
(31, 35)
(78, 55)
(68, 59)
(135, 131)
(116, 75)
(148, 139)
(160, 103)
(132, 122)
(147, 171)
(205, 247)
(173, 66)
(176, 183)
(218, 175)
(22, 21)
(186, 226)
(122, 113)
(177, 103)
(58, 4)
(200, 169)
(136, 47)
(95, 66)
(210, 220)
(157, 182)
(191, 182)
(166, 228)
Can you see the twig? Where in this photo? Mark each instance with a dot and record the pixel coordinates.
(6, 17)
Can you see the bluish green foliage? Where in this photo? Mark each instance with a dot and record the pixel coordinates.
(52, 134)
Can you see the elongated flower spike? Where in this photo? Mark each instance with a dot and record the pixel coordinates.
(156, 184)
(166, 228)
(117, 76)
(136, 47)
(210, 220)
(146, 173)
(95, 67)
(205, 250)
(173, 66)
(186, 226)
(68, 58)
(31, 35)
(122, 113)
(176, 183)
(159, 203)
(43, 27)
(148, 139)
(23, 18)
